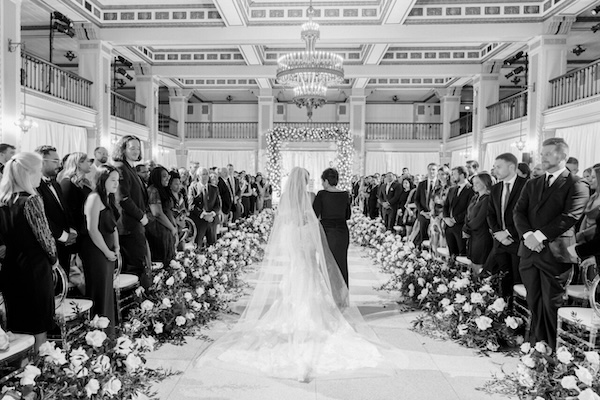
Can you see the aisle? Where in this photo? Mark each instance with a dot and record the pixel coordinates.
(437, 370)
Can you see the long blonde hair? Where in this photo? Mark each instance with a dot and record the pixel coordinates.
(16, 175)
(71, 168)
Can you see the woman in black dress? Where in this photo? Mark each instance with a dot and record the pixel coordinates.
(26, 276)
(100, 244)
(162, 232)
(476, 228)
(332, 207)
(75, 186)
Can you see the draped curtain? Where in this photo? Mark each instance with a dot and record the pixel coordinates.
(313, 161)
(66, 138)
(167, 158)
(457, 158)
(242, 160)
(494, 149)
(584, 143)
(416, 162)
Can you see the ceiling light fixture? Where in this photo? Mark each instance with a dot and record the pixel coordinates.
(595, 10)
(514, 58)
(578, 50)
(310, 72)
(596, 28)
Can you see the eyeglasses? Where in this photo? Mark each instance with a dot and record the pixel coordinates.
(53, 160)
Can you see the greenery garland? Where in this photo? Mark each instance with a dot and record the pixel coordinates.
(338, 134)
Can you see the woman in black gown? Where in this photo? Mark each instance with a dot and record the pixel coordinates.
(332, 207)
(26, 276)
(100, 244)
(75, 186)
(162, 232)
(476, 229)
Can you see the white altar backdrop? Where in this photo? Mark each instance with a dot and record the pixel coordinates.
(242, 160)
(383, 161)
(494, 149)
(314, 161)
(167, 158)
(66, 138)
(584, 142)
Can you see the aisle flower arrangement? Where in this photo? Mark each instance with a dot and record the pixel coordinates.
(95, 366)
(544, 375)
(366, 232)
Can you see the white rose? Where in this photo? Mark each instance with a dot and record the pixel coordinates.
(442, 289)
(158, 327)
(101, 365)
(499, 305)
(95, 338)
(29, 374)
(528, 361)
(100, 322)
(123, 345)
(147, 305)
(483, 322)
(212, 292)
(569, 382)
(196, 306)
(476, 298)
(492, 346)
(421, 282)
(170, 281)
(224, 278)
(563, 355)
(445, 302)
(78, 356)
(145, 343)
(511, 322)
(132, 362)
(467, 307)
(140, 291)
(92, 387)
(166, 302)
(588, 394)
(182, 275)
(52, 354)
(542, 348)
(592, 357)
(486, 288)
(206, 278)
(526, 347)
(112, 387)
(188, 296)
(524, 377)
(459, 298)
(200, 290)
(180, 321)
(191, 316)
(584, 375)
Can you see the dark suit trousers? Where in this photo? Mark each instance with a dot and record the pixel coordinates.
(456, 243)
(423, 229)
(134, 250)
(64, 256)
(507, 261)
(205, 229)
(389, 217)
(545, 280)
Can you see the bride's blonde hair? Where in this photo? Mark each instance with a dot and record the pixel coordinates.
(16, 175)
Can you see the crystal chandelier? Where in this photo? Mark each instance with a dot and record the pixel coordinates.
(310, 72)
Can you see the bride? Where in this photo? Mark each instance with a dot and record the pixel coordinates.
(299, 323)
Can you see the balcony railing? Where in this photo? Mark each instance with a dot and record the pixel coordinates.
(404, 131)
(221, 130)
(512, 107)
(461, 126)
(42, 76)
(125, 108)
(167, 124)
(575, 85)
(298, 125)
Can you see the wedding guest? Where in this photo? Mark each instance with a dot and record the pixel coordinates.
(391, 199)
(226, 194)
(246, 193)
(234, 185)
(162, 233)
(100, 159)
(205, 206)
(333, 208)
(260, 190)
(476, 229)
(437, 237)
(455, 211)
(544, 216)
(422, 199)
(100, 244)
(75, 186)
(27, 284)
(587, 174)
(144, 173)
(537, 171)
(472, 169)
(55, 207)
(254, 196)
(132, 199)
(373, 204)
(587, 229)
(410, 214)
(6, 153)
(573, 165)
(523, 170)
(406, 187)
(268, 198)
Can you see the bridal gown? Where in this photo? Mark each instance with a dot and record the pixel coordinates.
(298, 323)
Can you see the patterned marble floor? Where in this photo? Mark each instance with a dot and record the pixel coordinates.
(436, 369)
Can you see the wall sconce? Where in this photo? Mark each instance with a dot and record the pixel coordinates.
(395, 99)
(229, 98)
(12, 46)
(578, 50)
(69, 55)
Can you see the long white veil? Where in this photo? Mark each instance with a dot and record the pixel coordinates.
(299, 321)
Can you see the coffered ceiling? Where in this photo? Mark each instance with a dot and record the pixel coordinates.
(401, 48)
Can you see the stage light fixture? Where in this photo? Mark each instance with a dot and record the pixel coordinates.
(123, 72)
(125, 61)
(69, 55)
(596, 28)
(578, 50)
(62, 23)
(514, 58)
(509, 75)
(395, 98)
(595, 10)
(518, 70)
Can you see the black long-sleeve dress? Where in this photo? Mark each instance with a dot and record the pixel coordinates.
(333, 209)
(26, 278)
(480, 242)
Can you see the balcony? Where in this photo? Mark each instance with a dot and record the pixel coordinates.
(221, 130)
(299, 125)
(575, 85)
(167, 125)
(461, 126)
(41, 76)
(403, 131)
(125, 108)
(512, 107)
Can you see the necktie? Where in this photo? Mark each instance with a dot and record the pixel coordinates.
(429, 188)
(505, 203)
(547, 182)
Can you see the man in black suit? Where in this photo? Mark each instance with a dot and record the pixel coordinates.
(503, 198)
(225, 193)
(455, 211)
(391, 200)
(6, 153)
(59, 220)
(545, 214)
(472, 170)
(236, 190)
(205, 208)
(423, 195)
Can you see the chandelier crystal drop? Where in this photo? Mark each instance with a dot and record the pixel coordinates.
(310, 72)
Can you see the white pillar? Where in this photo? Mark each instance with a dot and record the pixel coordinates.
(358, 112)
(95, 59)
(178, 111)
(486, 91)
(10, 72)
(146, 93)
(266, 105)
(547, 59)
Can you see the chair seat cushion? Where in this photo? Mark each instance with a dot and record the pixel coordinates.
(577, 291)
(71, 308)
(576, 315)
(126, 281)
(520, 290)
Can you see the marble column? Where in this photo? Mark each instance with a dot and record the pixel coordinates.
(146, 93)
(486, 91)
(450, 104)
(266, 105)
(358, 112)
(10, 71)
(178, 110)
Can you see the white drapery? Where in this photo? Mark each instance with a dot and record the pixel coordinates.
(313, 161)
(584, 142)
(494, 149)
(242, 160)
(167, 158)
(65, 138)
(416, 162)
(458, 158)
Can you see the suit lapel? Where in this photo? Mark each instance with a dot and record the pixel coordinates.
(518, 185)
(558, 183)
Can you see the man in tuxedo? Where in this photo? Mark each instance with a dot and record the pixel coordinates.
(6, 153)
(236, 190)
(205, 208)
(144, 173)
(502, 201)
(225, 193)
(545, 214)
(472, 170)
(423, 195)
(59, 220)
(455, 211)
(391, 199)
(100, 159)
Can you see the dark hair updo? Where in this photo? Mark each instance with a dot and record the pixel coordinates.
(331, 175)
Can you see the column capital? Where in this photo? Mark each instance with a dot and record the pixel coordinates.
(536, 44)
(450, 94)
(558, 25)
(95, 46)
(265, 92)
(358, 92)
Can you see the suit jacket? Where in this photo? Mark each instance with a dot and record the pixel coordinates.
(494, 216)
(456, 206)
(553, 211)
(380, 192)
(132, 198)
(201, 202)
(393, 195)
(591, 247)
(236, 189)
(75, 197)
(57, 213)
(421, 196)
(226, 196)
